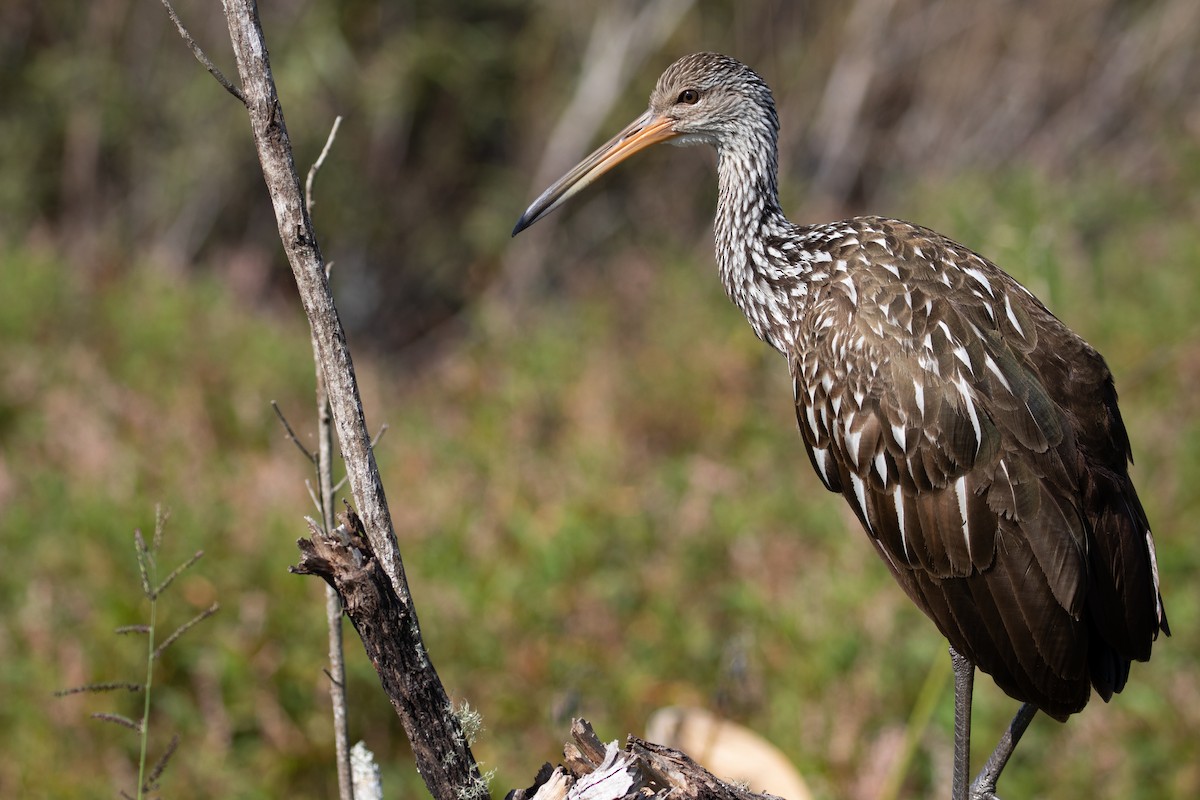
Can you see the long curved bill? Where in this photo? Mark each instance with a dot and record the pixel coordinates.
(644, 131)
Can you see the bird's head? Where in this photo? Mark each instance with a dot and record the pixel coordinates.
(704, 98)
(712, 99)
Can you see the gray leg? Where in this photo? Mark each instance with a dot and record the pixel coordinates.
(984, 787)
(964, 686)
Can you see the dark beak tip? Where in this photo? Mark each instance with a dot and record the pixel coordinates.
(524, 222)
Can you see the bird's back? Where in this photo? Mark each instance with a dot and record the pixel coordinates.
(979, 442)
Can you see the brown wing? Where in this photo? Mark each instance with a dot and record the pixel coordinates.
(1124, 602)
(966, 471)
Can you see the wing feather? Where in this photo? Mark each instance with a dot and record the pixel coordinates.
(980, 444)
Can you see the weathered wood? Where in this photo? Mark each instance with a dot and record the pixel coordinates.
(643, 771)
(345, 560)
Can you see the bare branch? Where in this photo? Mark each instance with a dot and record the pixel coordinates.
(379, 435)
(316, 167)
(201, 56)
(312, 495)
(344, 559)
(433, 735)
(292, 434)
(333, 604)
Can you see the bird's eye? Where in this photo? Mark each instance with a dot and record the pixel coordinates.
(688, 97)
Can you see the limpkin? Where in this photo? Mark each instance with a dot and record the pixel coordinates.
(976, 438)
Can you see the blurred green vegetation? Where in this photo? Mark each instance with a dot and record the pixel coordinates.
(600, 496)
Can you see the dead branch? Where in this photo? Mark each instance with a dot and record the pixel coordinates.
(590, 769)
(324, 463)
(200, 55)
(345, 560)
(593, 770)
(443, 756)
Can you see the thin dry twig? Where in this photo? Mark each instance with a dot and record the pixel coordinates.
(379, 435)
(333, 604)
(292, 434)
(312, 495)
(316, 167)
(201, 56)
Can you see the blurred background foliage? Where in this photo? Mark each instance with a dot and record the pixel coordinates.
(601, 500)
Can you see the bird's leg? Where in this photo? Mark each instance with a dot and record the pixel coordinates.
(984, 787)
(964, 686)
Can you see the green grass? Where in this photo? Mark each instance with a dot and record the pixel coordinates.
(597, 513)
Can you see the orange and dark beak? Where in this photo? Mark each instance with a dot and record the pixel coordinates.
(644, 131)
